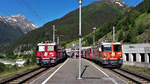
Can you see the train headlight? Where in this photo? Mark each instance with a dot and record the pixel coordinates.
(120, 55)
(52, 55)
(105, 55)
(45, 54)
(112, 54)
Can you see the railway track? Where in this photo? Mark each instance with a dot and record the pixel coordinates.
(22, 78)
(134, 77)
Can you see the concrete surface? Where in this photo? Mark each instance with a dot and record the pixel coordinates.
(67, 73)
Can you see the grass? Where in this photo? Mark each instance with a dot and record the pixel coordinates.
(12, 72)
(144, 70)
(142, 17)
(108, 35)
(11, 60)
(2, 55)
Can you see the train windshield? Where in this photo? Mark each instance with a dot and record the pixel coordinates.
(117, 48)
(107, 48)
(41, 48)
(50, 48)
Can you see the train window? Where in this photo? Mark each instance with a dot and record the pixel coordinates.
(107, 48)
(41, 48)
(117, 48)
(50, 48)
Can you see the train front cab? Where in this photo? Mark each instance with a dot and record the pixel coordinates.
(112, 55)
(46, 55)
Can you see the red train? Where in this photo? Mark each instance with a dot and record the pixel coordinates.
(49, 54)
(108, 54)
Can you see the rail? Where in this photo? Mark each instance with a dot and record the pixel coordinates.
(22, 78)
(135, 77)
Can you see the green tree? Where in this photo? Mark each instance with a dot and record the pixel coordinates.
(141, 28)
(120, 35)
(131, 37)
(2, 67)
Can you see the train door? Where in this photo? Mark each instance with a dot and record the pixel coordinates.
(99, 53)
(91, 54)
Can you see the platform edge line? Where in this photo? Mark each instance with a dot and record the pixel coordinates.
(42, 75)
(103, 72)
(55, 72)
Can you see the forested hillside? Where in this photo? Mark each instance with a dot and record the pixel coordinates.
(93, 15)
(133, 27)
(14, 26)
(8, 32)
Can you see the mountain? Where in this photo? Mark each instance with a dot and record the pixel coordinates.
(133, 27)
(13, 27)
(7, 31)
(20, 21)
(119, 2)
(93, 15)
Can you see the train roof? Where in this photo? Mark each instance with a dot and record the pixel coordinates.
(86, 47)
(107, 43)
(46, 44)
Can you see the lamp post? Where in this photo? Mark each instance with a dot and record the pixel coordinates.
(54, 33)
(80, 38)
(94, 36)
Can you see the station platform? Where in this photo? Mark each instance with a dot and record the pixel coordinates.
(67, 73)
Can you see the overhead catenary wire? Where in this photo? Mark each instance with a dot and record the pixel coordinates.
(134, 2)
(6, 12)
(30, 8)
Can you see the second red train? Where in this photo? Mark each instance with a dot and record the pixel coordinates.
(108, 54)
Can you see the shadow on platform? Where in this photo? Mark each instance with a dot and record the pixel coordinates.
(85, 68)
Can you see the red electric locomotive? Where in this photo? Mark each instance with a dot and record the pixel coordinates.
(111, 54)
(49, 53)
(108, 54)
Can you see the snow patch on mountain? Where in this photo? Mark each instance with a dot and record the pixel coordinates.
(119, 2)
(20, 21)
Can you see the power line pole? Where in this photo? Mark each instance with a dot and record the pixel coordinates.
(113, 34)
(80, 38)
(57, 39)
(53, 33)
(94, 36)
(60, 37)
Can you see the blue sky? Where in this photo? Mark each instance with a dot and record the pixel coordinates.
(43, 11)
